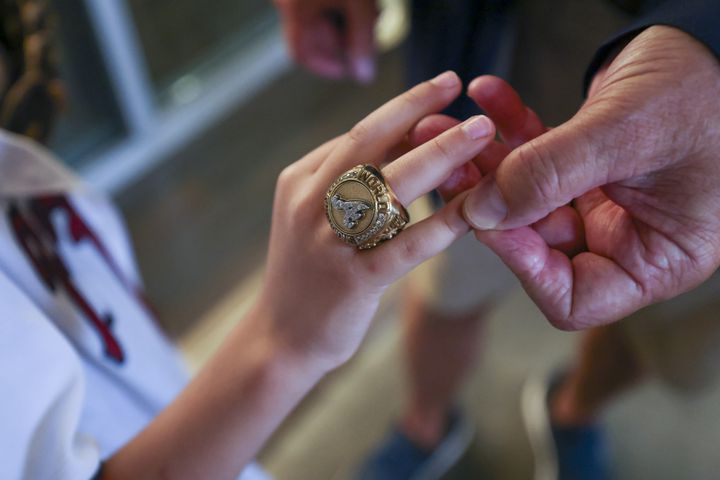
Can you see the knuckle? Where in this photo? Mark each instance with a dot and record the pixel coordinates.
(441, 148)
(451, 229)
(562, 309)
(563, 323)
(411, 250)
(310, 208)
(538, 167)
(285, 177)
(360, 132)
(375, 265)
(580, 314)
(451, 224)
(415, 97)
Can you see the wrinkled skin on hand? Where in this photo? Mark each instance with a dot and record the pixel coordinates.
(639, 164)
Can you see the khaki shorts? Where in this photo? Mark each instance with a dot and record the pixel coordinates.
(466, 276)
(679, 340)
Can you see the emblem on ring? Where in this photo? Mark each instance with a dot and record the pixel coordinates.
(354, 210)
(362, 209)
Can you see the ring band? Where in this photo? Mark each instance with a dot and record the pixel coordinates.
(362, 208)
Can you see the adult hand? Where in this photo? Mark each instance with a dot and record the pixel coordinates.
(332, 38)
(640, 163)
(320, 293)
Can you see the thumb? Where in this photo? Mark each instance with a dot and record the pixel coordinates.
(547, 173)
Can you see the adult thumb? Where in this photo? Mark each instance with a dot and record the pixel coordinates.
(545, 174)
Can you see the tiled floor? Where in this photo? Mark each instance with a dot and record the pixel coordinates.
(200, 223)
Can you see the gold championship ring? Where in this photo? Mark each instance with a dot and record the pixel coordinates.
(362, 209)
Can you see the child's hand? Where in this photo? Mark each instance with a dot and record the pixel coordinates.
(321, 293)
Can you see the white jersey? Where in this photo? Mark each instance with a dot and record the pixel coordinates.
(83, 365)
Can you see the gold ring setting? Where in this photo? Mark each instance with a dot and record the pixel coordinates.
(362, 209)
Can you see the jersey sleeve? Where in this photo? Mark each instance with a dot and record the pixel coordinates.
(42, 388)
(698, 18)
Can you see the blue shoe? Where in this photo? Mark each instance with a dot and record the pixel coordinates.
(561, 453)
(398, 458)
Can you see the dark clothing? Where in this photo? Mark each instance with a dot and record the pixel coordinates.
(699, 18)
(470, 37)
(476, 37)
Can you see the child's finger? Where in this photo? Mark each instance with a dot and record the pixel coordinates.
(370, 139)
(429, 165)
(419, 242)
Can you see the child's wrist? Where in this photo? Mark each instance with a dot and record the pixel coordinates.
(283, 352)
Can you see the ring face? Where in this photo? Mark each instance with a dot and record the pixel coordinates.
(361, 208)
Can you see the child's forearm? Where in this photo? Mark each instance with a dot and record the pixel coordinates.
(220, 421)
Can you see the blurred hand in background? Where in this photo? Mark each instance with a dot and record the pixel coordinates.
(332, 38)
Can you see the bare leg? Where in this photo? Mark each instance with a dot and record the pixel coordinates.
(606, 367)
(441, 348)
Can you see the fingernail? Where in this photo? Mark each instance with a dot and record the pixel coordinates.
(446, 80)
(477, 127)
(364, 69)
(484, 207)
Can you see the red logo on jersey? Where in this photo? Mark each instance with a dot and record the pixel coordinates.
(37, 237)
